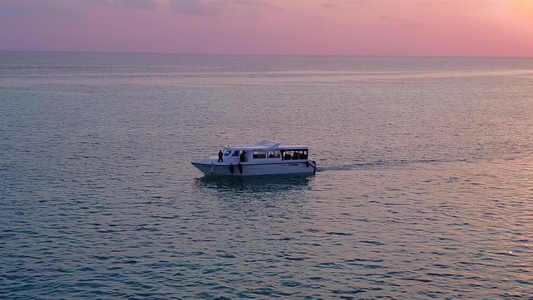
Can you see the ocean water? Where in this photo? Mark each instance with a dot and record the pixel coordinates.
(424, 189)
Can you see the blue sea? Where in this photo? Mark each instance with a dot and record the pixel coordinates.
(424, 187)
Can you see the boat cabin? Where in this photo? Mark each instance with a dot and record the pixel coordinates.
(265, 151)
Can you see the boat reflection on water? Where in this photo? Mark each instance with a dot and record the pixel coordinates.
(254, 184)
(265, 201)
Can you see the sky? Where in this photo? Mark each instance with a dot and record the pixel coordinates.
(272, 27)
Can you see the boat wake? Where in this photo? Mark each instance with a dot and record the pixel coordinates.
(383, 164)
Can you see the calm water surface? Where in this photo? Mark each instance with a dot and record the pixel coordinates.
(424, 189)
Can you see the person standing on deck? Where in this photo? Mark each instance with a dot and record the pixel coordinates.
(220, 156)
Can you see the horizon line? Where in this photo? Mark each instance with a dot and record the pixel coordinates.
(271, 55)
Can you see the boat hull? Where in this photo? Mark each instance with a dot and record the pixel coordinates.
(250, 169)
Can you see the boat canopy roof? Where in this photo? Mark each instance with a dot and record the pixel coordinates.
(267, 145)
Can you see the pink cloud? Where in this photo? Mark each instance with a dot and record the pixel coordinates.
(358, 27)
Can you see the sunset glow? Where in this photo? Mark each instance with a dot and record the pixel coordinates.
(310, 27)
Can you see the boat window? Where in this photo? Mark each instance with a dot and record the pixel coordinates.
(227, 152)
(259, 154)
(235, 153)
(294, 154)
(285, 155)
(273, 154)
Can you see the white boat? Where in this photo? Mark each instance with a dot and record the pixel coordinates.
(263, 158)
